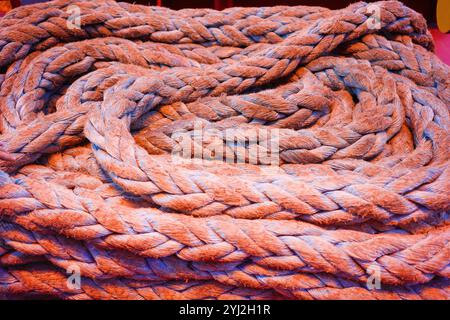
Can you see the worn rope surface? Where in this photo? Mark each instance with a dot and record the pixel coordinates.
(89, 121)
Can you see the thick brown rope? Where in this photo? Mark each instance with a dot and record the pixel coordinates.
(94, 118)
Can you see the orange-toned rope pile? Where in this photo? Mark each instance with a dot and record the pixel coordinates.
(91, 180)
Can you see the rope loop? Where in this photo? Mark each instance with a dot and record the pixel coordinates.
(250, 153)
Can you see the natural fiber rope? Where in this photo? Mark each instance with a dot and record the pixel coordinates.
(89, 118)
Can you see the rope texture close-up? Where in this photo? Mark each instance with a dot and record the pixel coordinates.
(116, 159)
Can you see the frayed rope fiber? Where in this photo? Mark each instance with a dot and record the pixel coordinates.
(94, 95)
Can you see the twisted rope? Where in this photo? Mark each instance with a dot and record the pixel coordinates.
(92, 175)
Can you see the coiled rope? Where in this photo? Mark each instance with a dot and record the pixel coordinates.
(89, 120)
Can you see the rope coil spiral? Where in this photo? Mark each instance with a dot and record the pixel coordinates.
(89, 121)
